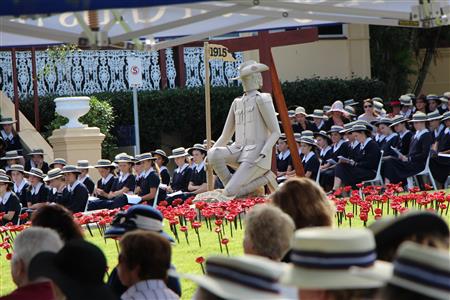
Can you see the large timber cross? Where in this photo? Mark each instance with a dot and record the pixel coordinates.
(264, 42)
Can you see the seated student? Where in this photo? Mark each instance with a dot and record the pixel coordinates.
(57, 163)
(391, 140)
(406, 103)
(322, 263)
(435, 126)
(323, 142)
(318, 119)
(339, 148)
(301, 123)
(352, 142)
(162, 160)
(197, 182)
(55, 180)
(104, 185)
(311, 163)
(398, 169)
(364, 165)
(9, 135)
(27, 245)
(83, 166)
(12, 158)
(351, 113)
(440, 166)
(182, 174)
(9, 202)
(399, 126)
(284, 160)
(369, 114)
(37, 193)
(337, 115)
(433, 102)
(138, 171)
(443, 107)
(16, 172)
(76, 194)
(150, 180)
(126, 222)
(144, 261)
(36, 161)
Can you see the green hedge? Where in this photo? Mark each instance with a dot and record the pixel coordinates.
(180, 112)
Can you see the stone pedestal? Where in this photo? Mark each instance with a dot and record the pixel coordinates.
(75, 144)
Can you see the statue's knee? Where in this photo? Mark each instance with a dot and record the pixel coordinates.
(213, 154)
(230, 190)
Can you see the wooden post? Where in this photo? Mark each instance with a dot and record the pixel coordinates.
(283, 113)
(264, 57)
(181, 68)
(162, 68)
(15, 87)
(209, 171)
(37, 123)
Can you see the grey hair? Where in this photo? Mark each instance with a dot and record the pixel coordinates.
(270, 230)
(33, 241)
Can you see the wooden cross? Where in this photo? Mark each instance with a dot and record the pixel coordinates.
(264, 42)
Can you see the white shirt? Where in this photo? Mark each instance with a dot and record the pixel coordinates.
(200, 166)
(420, 133)
(122, 177)
(180, 170)
(70, 188)
(82, 179)
(108, 178)
(5, 197)
(365, 143)
(390, 137)
(5, 136)
(324, 150)
(151, 289)
(18, 189)
(284, 155)
(447, 130)
(307, 157)
(338, 145)
(402, 134)
(438, 131)
(320, 124)
(379, 137)
(354, 144)
(35, 189)
(145, 174)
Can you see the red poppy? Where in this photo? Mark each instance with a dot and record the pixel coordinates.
(200, 260)
(218, 229)
(350, 215)
(183, 228)
(9, 256)
(196, 225)
(225, 241)
(378, 211)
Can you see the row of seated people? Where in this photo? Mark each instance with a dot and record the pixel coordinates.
(350, 154)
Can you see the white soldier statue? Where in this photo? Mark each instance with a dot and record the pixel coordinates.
(253, 121)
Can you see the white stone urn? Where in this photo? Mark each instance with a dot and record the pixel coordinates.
(72, 108)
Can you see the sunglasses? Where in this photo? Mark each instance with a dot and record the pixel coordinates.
(367, 106)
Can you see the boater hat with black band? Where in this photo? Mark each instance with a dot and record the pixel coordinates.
(36, 151)
(198, 147)
(17, 168)
(13, 154)
(83, 164)
(418, 117)
(59, 161)
(161, 153)
(70, 169)
(323, 134)
(53, 174)
(178, 152)
(434, 115)
(35, 172)
(318, 114)
(397, 120)
(7, 121)
(104, 163)
(446, 116)
(5, 179)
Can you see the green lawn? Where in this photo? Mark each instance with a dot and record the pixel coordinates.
(184, 255)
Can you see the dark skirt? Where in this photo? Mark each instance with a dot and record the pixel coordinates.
(440, 168)
(352, 175)
(396, 170)
(327, 179)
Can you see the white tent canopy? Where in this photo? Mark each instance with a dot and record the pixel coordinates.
(188, 21)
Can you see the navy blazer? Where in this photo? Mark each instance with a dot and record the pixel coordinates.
(76, 200)
(40, 197)
(404, 142)
(180, 181)
(386, 146)
(105, 187)
(369, 156)
(419, 149)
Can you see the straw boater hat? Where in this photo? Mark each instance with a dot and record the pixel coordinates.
(162, 154)
(17, 168)
(5, 179)
(60, 161)
(250, 67)
(419, 117)
(297, 137)
(83, 164)
(433, 97)
(53, 174)
(318, 114)
(323, 134)
(145, 156)
(283, 137)
(123, 158)
(434, 115)
(337, 106)
(406, 100)
(105, 163)
(300, 110)
(378, 99)
(7, 121)
(308, 141)
(385, 121)
(240, 277)
(35, 172)
(361, 127)
(307, 134)
(70, 169)
(178, 152)
(397, 120)
(14, 154)
(36, 151)
(350, 102)
(335, 128)
(445, 116)
(378, 106)
(291, 113)
(3, 172)
(322, 257)
(198, 147)
(412, 96)
(350, 110)
(326, 108)
(347, 127)
(444, 99)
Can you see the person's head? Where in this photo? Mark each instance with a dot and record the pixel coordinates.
(399, 123)
(305, 201)
(125, 167)
(144, 255)
(360, 135)
(322, 139)
(433, 102)
(138, 166)
(282, 145)
(395, 107)
(179, 155)
(275, 240)
(368, 107)
(16, 172)
(58, 163)
(27, 244)
(11, 162)
(421, 103)
(434, 119)
(70, 174)
(148, 161)
(300, 114)
(335, 137)
(54, 178)
(5, 184)
(180, 161)
(385, 129)
(306, 147)
(198, 153)
(17, 176)
(161, 158)
(37, 156)
(250, 75)
(35, 176)
(104, 172)
(446, 119)
(58, 218)
(105, 167)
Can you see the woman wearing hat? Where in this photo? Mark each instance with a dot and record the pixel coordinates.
(301, 123)
(9, 203)
(339, 148)
(398, 169)
(104, 185)
(162, 160)
(311, 163)
(36, 161)
(337, 115)
(37, 193)
(182, 173)
(439, 165)
(364, 165)
(16, 172)
(83, 166)
(9, 135)
(395, 108)
(197, 182)
(76, 194)
(399, 125)
(55, 180)
(391, 140)
(323, 142)
(369, 114)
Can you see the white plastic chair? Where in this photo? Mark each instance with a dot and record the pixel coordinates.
(155, 200)
(426, 172)
(318, 175)
(378, 177)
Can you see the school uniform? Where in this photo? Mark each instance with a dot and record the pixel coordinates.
(325, 154)
(105, 184)
(438, 133)
(21, 191)
(10, 202)
(198, 176)
(396, 170)
(128, 180)
(330, 122)
(75, 197)
(284, 160)
(341, 148)
(405, 141)
(379, 138)
(149, 180)
(124, 180)
(354, 149)
(37, 194)
(391, 140)
(440, 166)
(321, 126)
(88, 183)
(55, 196)
(30, 164)
(297, 128)
(366, 164)
(180, 178)
(165, 176)
(12, 141)
(311, 164)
